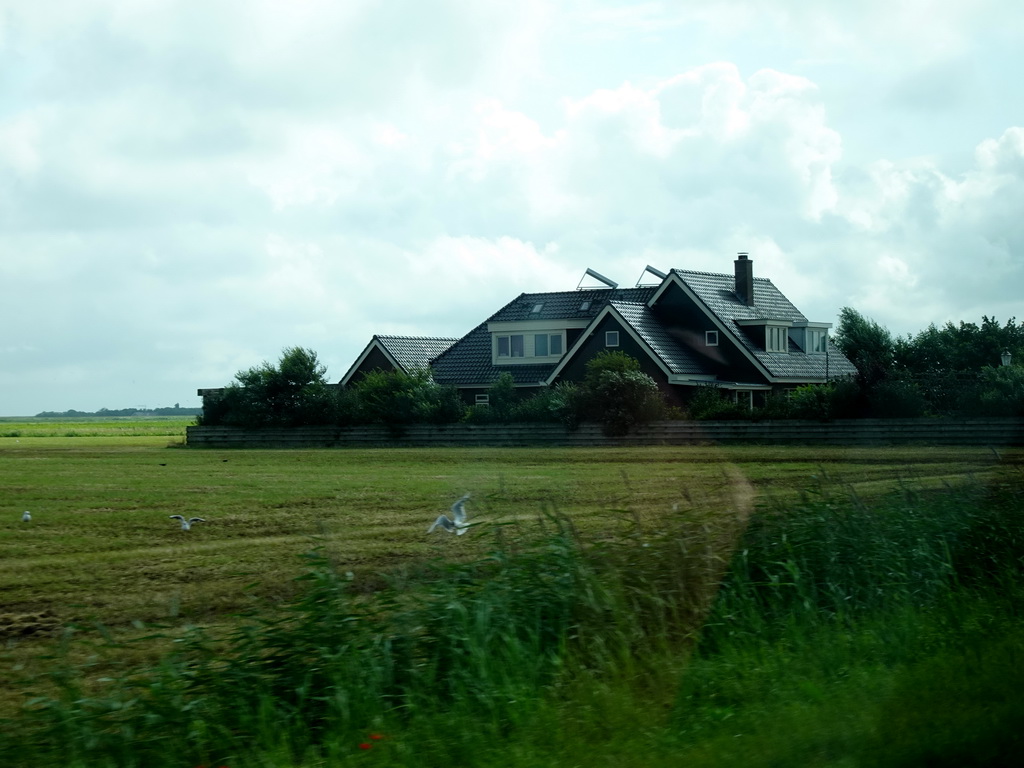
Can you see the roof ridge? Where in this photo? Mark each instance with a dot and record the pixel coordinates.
(714, 274)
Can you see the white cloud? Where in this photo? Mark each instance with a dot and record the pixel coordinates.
(187, 189)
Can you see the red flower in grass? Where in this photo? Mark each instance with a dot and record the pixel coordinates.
(365, 745)
(376, 736)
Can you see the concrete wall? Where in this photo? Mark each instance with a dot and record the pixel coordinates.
(992, 432)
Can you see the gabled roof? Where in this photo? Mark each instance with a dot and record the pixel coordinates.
(718, 295)
(403, 352)
(468, 364)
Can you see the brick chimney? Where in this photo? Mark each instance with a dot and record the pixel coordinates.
(745, 278)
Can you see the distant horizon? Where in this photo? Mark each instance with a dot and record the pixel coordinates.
(112, 412)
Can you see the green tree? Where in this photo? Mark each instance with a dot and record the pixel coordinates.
(866, 344)
(295, 392)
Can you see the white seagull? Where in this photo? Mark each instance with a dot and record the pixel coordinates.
(186, 525)
(26, 516)
(457, 522)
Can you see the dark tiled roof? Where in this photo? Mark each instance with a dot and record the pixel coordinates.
(414, 351)
(468, 363)
(717, 293)
(672, 353)
(564, 305)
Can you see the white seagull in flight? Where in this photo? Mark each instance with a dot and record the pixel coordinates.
(186, 525)
(457, 522)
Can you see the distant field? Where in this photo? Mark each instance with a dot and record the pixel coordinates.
(155, 426)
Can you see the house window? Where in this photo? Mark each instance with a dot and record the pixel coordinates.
(816, 341)
(776, 339)
(611, 338)
(545, 344)
(483, 399)
(536, 309)
(585, 305)
(711, 338)
(744, 398)
(511, 346)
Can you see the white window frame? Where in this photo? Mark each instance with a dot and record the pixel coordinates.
(710, 338)
(551, 341)
(776, 338)
(483, 399)
(508, 338)
(611, 338)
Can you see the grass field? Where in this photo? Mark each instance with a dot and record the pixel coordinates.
(100, 548)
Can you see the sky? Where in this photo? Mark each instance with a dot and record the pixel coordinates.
(187, 188)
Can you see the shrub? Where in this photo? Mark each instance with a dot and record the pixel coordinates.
(999, 392)
(709, 402)
(618, 394)
(398, 399)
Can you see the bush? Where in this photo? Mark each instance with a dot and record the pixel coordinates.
(709, 403)
(999, 392)
(618, 394)
(398, 399)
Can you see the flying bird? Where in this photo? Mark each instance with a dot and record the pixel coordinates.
(26, 516)
(457, 522)
(186, 525)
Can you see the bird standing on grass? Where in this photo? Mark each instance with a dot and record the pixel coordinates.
(186, 525)
(457, 522)
(26, 516)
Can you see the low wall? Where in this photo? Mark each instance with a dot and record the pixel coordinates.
(994, 432)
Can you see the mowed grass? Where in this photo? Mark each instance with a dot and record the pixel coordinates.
(101, 548)
(830, 531)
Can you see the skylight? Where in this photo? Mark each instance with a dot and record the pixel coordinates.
(536, 309)
(585, 305)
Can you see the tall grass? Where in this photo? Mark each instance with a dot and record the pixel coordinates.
(851, 630)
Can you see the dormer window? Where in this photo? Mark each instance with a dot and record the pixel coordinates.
(511, 345)
(776, 339)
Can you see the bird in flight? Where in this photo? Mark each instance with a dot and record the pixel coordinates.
(26, 516)
(457, 522)
(186, 525)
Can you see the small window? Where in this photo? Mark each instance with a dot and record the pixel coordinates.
(555, 347)
(503, 346)
(611, 338)
(483, 399)
(711, 338)
(536, 309)
(585, 305)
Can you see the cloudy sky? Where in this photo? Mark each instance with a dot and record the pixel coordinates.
(187, 188)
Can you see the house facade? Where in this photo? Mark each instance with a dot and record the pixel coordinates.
(737, 332)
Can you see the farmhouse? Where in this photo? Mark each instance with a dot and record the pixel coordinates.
(737, 332)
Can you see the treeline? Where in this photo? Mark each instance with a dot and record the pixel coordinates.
(113, 412)
(295, 392)
(955, 370)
